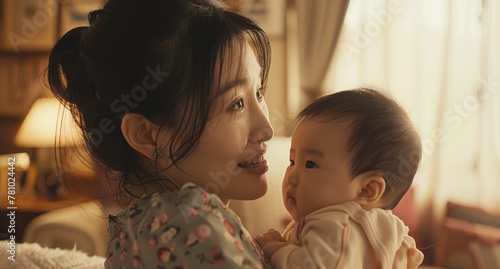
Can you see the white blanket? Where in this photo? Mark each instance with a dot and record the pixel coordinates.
(32, 255)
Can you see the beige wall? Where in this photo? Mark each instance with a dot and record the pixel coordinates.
(276, 90)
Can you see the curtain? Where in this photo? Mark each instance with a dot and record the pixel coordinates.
(316, 30)
(440, 60)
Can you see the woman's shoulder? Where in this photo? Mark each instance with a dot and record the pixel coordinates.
(181, 207)
(185, 193)
(186, 226)
(188, 194)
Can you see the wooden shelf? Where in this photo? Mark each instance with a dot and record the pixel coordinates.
(42, 204)
(28, 53)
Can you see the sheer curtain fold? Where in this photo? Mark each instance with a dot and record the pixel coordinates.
(318, 24)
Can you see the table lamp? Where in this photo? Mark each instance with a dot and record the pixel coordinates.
(38, 130)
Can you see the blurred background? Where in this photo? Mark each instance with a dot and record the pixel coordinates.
(439, 58)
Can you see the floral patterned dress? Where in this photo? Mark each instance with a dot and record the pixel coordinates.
(189, 228)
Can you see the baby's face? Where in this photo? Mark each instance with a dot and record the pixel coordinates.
(319, 172)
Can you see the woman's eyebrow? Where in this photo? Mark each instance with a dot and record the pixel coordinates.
(232, 84)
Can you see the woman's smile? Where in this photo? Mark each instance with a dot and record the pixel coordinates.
(256, 169)
(252, 163)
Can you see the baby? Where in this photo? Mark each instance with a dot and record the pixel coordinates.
(353, 156)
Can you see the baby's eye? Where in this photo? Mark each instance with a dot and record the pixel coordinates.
(238, 105)
(259, 94)
(292, 163)
(310, 164)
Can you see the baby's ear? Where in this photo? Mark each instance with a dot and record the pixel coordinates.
(371, 191)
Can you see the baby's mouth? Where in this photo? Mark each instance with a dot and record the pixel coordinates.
(290, 199)
(252, 163)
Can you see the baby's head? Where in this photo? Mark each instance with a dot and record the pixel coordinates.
(357, 145)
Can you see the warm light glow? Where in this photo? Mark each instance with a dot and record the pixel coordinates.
(22, 160)
(39, 127)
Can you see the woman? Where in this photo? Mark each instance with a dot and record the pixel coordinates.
(169, 97)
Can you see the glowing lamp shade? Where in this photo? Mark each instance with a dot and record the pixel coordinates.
(47, 122)
(38, 130)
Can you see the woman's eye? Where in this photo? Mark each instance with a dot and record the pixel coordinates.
(238, 105)
(292, 163)
(310, 164)
(259, 94)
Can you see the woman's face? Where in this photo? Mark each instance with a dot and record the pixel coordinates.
(228, 159)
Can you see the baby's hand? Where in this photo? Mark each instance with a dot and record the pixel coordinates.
(270, 242)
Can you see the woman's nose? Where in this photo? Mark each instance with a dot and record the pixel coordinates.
(261, 127)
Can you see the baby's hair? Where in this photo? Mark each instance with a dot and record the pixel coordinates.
(382, 137)
(156, 58)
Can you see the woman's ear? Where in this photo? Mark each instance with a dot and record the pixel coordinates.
(140, 133)
(371, 191)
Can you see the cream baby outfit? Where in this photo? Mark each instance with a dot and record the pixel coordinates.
(347, 236)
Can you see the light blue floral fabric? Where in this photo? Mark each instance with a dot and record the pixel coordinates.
(189, 228)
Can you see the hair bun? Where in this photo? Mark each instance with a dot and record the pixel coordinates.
(76, 86)
(93, 15)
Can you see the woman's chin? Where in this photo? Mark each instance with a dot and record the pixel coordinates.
(259, 189)
(250, 189)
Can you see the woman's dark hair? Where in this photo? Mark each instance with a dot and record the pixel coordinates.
(156, 58)
(382, 138)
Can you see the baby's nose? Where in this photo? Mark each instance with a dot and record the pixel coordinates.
(291, 179)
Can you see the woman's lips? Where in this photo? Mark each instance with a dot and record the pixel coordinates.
(252, 163)
(255, 168)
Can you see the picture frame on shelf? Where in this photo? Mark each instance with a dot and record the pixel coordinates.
(269, 14)
(28, 25)
(17, 175)
(74, 13)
